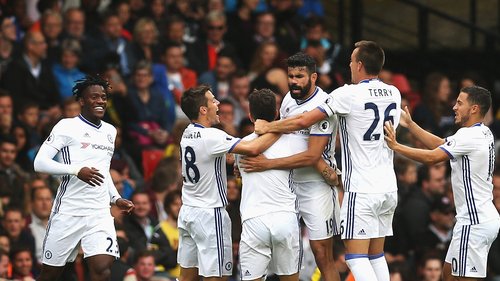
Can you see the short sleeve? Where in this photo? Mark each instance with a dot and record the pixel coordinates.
(459, 144)
(339, 102)
(58, 137)
(219, 142)
(324, 127)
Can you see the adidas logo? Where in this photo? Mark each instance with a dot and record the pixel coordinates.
(247, 273)
(86, 135)
(473, 269)
(362, 232)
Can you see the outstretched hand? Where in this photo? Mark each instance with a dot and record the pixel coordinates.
(405, 120)
(253, 164)
(390, 135)
(125, 205)
(260, 126)
(91, 176)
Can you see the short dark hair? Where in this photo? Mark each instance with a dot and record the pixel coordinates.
(480, 96)
(193, 99)
(8, 139)
(263, 104)
(301, 59)
(82, 84)
(143, 254)
(170, 198)
(372, 56)
(35, 190)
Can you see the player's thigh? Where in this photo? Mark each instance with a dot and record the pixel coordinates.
(100, 237)
(62, 237)
(210, 230)
(255, 248)
(286, 248)
(319, 208)
(469, 247)
(360, 216)
(385, 212)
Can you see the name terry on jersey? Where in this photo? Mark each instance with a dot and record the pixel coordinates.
(380, 92)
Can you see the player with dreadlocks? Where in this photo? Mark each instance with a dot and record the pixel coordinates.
(79, 149)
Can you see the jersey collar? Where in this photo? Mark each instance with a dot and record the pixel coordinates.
(299, 102)
(90, 123)
(368, 80)
(198, 125)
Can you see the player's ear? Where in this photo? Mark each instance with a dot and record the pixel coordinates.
(314, 77)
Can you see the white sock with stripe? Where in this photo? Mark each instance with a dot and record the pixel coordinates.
(360, 267)
(379, 265)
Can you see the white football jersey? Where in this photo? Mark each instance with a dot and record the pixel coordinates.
(268, 191)
(81, 143)
(362, 109)
(327, 127)
(472, 158)
(203, 160)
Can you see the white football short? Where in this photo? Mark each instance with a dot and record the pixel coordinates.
(271, 241)
(319, 208)
(96, 234)
(469, 247)
(367, 215)
(205, 241)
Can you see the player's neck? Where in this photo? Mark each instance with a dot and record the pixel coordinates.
(366, 78)
(202, 122)
(92, 119)
(473, 120)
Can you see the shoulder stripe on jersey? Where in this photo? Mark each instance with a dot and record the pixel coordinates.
(219, 234)
(462, 252)
(346, 154)
(221, 187)
(232, 147)
(65, 179)
(90, 123)
(469, 195)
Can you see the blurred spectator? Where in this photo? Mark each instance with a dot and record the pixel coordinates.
(192, 13)
(239, 88)
(180, 78)
(207, 49)
(165, 240)
(25, 154)
(139, 226)
(70, 108)
(399, 271)
(51, 25)
(288, 24)
(226, 116)
(41, 204)
(218, 78)
(265, 69)
(165, 179)
(158, 12)
(311, 7)
(13, 225)
(150, 126)
(246, 127)
(74, 24)
(215, 5)
(110, 46)
(66, 70)
(406, 174)
(30, 78)
(409, 224)
(145, 44)
(8, 45)
(6, 104)
(125, 164)
(265, 26)
(4, 264)
(431, 267)
(328, 78)
(4, 241)
(29, 116)
(435, 112)
(22, 264)
(145, 267)
(240, 28)
(120, 270)
(122, 9)
(13, 180)
(437, 236)
(122, 185)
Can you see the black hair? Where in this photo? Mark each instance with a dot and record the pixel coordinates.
(82, 84)
(480, 96)
(263, 104)
(301, 59)
(193, 99)
(371, 55)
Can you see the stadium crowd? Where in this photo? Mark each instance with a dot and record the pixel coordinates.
(151, 51)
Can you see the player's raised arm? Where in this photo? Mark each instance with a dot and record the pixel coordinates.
(428, 139)
(425, 156)
(290, 124)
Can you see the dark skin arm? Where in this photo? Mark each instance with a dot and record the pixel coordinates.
(297, 122)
